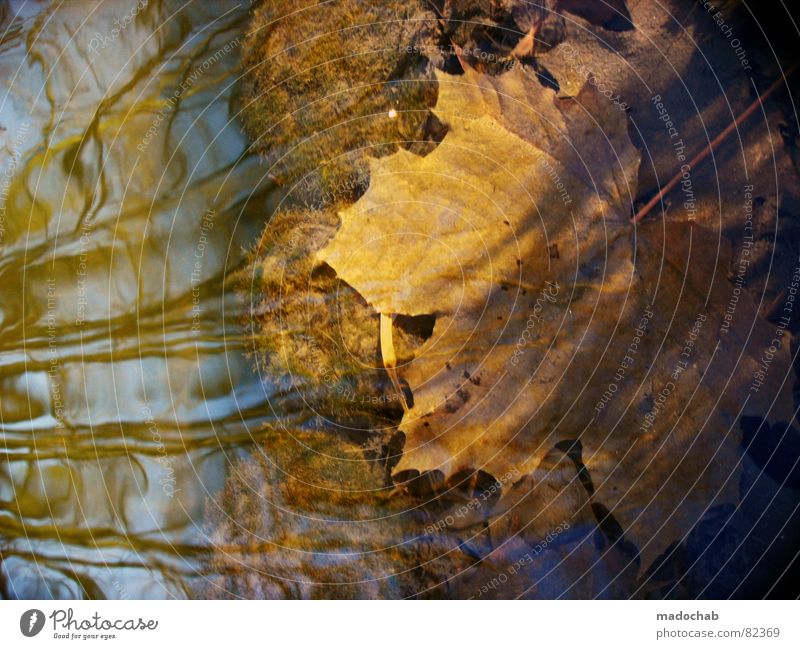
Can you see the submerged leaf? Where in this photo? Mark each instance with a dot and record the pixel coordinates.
(469, 234)
(556, 319)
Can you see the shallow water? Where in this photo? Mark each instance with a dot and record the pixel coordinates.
(127, 199)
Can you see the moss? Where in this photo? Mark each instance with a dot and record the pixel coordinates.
(321, 80)
(312, 518)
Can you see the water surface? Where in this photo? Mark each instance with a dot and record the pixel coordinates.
(127, 199)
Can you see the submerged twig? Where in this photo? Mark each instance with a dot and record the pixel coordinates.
(717, 140)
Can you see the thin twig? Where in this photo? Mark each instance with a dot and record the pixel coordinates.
(717, 140)
(457, 50)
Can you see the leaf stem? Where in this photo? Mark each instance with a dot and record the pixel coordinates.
(389, 356)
